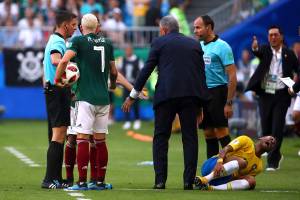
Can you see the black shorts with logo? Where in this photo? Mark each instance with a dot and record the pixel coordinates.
(214, 110)
(58, 101)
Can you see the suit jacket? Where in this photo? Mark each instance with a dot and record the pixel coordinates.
(290, 65)
(180, 66)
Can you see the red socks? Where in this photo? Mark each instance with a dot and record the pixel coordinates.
(93, 166)
(70, 158)
(101, 159)
(82, 158)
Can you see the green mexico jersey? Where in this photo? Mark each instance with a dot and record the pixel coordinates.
(93, 56)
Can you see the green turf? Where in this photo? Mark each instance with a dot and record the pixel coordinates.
(130, 181)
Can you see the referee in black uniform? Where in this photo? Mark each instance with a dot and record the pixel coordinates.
(57, 99)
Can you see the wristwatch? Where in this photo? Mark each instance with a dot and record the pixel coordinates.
(229, 102)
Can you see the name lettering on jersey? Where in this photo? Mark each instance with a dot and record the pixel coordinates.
(98, 40)
(207, 60)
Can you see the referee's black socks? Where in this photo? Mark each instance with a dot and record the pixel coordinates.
(54, 161)
(225, 140)
(212, 147)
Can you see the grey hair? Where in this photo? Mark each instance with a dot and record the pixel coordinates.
(170, 23)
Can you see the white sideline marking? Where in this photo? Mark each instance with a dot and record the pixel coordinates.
(76, 194)
(279, 191)
(82, 199)
(21, 156)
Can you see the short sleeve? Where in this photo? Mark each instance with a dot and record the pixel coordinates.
(74, 44)
(239, 142)
(226, 55)
(59, 46)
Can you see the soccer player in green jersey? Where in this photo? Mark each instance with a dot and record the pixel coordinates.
(95, 60)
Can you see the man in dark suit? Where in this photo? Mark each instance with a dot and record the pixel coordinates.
(180, 89)
(276, 61)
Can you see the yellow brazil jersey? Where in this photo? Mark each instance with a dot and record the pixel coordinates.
(243, 147)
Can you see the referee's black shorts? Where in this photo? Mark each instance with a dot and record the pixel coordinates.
(58, 101)
(214, 110)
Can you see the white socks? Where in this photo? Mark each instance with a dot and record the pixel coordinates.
(241, 184)
(229, 168)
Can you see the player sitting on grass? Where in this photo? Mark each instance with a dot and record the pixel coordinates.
(236, 165)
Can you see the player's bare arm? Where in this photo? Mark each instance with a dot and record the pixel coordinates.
(62, 65)
(232, 81)
(55, 58)
(113, 75)
(123, 81)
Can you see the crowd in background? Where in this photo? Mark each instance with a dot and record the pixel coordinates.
(35, 18)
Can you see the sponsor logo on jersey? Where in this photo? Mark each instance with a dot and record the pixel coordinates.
(207, 60)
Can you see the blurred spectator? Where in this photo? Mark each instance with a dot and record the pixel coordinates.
(29, 17)
(74, 6)
(115, 27)
(50, 18)
(179, 14)
(164, 7)
(153, 15)
(91, 6)
(140, 8)
(111, 4)
(243, 73)
(259, 4)
(8, 35)
(296, 49)
(128, 16)
(8, 9)
(241, 9)
(130, 67)
(30, 34)
(28, 4)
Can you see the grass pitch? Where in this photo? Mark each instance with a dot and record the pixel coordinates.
(130, 181)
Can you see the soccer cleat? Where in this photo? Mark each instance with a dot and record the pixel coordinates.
(66, 183)
(200, 181)
(159, 186)
(103, 186)
(79, 186)
(205, 187)
(92, 185)
(272, 168)
(51, 185)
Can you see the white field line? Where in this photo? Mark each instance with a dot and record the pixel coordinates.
(280, 191)
(21, 156)
(77, 194)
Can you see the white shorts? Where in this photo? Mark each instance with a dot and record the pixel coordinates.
(90, 118)
(70, 130)
(297, 104)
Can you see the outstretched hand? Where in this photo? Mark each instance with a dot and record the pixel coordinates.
(127, 104)
(254, 43)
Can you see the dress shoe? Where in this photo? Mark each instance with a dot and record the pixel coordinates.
(188, 186)
(159, 186)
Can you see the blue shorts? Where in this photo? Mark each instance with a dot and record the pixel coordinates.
(208, 167)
